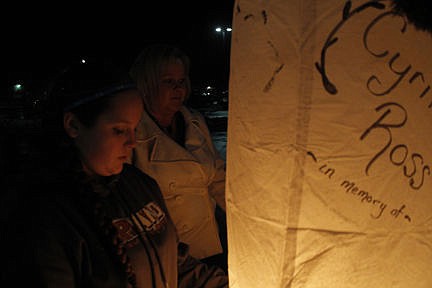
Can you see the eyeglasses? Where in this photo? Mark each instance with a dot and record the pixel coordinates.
(173, 84)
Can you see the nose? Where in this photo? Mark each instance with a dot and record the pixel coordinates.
(177, 85)
(179, 90)
(131, 140)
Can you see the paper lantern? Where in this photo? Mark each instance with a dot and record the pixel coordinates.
(329, 158)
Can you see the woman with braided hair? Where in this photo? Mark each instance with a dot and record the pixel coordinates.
(99, 222)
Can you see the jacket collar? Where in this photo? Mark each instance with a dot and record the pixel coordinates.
(162, 147)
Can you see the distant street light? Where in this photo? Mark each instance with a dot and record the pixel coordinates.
(223, 31)
(17, 87)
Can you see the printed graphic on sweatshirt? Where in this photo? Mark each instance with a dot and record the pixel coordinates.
(150, 220)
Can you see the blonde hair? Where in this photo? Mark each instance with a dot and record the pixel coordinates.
(146, 69)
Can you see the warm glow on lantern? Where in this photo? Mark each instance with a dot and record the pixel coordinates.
(329, 166)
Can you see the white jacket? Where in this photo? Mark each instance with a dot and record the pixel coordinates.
(192, 179)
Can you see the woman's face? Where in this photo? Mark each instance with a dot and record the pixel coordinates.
(172, 88)
(106, 145)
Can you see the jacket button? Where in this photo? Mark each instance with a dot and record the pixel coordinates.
(172, 185)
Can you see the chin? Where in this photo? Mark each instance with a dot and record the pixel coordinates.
(119, 170)
(114, 171)
(177, 108)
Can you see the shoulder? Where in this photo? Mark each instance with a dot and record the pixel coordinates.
(191, 112)
(194, 116)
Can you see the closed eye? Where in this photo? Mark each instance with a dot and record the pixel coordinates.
(119, 131)
(172, 83)
(169, 81)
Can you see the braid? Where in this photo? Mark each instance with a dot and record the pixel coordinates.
(109, 236)
(92, 202)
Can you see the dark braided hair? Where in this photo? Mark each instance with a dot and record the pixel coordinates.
(112, 242)
(92, 201)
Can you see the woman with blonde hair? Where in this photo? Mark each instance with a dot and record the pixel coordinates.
(174, 147)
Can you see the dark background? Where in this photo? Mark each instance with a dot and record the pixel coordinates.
(38, 41)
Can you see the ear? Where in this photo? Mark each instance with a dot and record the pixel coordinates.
(71, 124)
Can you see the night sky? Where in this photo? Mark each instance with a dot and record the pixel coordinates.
(40, 40)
